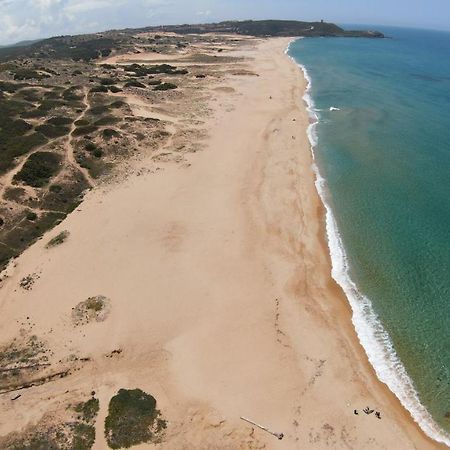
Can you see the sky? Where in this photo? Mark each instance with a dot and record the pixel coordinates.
(34, 19)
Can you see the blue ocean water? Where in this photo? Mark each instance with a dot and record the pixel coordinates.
(383, 164)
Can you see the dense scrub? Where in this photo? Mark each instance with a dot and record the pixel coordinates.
(39, 168)
(133, 419)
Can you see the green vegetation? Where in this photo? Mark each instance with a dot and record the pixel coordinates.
(107, 120)
(114, 89)
(72, 93)
(97, 110)
(83, 131)
(165, 87)
(94, 309)
(142, 71)
(53, 131)
(70, 435)
(109, 133)
(82, 122)
(118, 104)
(133, 419)
(38, 169)
(31, 216)
(88, 410)
(58, 239)
(99, 88)
(60, 121)
(133, 83)
(28, 74)
(107, 81)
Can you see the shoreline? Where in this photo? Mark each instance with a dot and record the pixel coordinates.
(381, 356)
(219, 280)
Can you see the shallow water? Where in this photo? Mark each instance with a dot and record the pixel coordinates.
(385, 160)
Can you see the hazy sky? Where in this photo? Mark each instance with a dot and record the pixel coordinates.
(31, 19)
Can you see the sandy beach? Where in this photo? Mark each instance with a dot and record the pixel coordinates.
(217, 275)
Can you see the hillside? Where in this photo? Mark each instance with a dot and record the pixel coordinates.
(271, 28)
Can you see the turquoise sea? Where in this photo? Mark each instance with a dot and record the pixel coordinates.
(383, 172)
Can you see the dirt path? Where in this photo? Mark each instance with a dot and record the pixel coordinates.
(69, 146)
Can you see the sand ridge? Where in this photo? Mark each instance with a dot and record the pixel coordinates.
(219, 291)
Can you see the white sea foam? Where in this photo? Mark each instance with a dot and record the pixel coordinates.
(333, 108)
(371, 333)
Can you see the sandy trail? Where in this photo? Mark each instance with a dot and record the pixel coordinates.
(219, 279)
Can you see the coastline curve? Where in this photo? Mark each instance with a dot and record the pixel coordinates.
(371, 334)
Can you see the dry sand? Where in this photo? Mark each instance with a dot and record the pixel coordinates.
(221, 297)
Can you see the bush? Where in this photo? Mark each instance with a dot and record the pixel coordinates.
(38, 169)
(52, 131)
(117, 104)
(19, 127)
(107, 120)
(72, 94)
(165, 87)
(32, 216)
(28, 74)
(132, 419)
(58, 239)
(109, 133)
(134, 83)
(82, 122)
(90, 147)
(98, 89)
(59, 121)
(55, 188)
(100, 109)
(114, 89)
(107, 81)
(88, 410)
(83, 131)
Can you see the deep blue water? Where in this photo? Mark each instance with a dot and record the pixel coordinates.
(385, 157)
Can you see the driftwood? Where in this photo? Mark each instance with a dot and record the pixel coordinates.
(277, 435)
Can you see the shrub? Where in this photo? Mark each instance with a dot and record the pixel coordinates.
(90, 146)
(88, 410)
(134, 83)
(55, 188)
(13, 147)
(165, 87)
(28, 74)
(114, 89)
(107, 81)
(108, 133)
(82, 122)
(117, 104)
(83, 131)
(38, 169)
(18, 127)
(98, 89)
(100, 109)
(107, 120)
(132, 419)
(58, 239)
(52, 131)
(72, 94)
(32, 216)
(58, 121)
